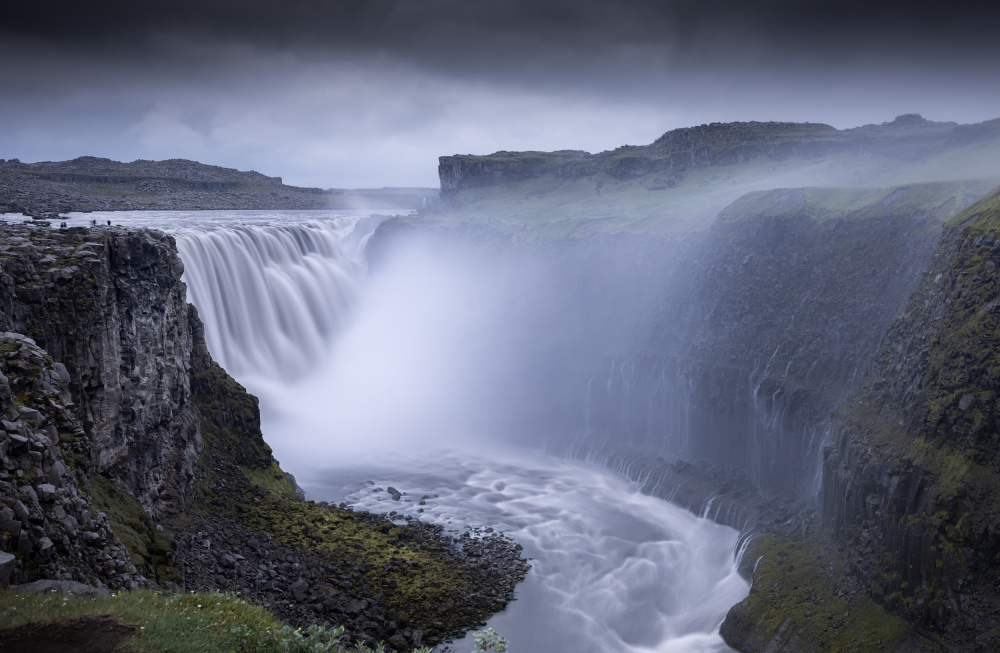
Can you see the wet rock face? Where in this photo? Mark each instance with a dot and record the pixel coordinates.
(910, 484)
(108, 304)
(48, 526)
(773, 327)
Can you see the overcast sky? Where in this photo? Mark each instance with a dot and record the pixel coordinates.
(368, 93)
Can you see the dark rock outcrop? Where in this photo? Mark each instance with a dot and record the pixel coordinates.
(109, 305)
(46, 514)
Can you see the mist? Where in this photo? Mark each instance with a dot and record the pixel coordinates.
(361, 348)
(417, 369)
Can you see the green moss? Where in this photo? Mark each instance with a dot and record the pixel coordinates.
(795, 602)
(230, 418)
(179, 623)
(147, 547)
(930, 406)
(238, 479)
(273, 478)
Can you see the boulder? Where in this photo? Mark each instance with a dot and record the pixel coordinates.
(58, 587)
(299, 589)
(47, 492)
(29, 414)
(18, 443)
(7, 562)
(64, 274)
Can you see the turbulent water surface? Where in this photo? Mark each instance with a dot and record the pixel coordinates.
(357, 378)
(612, 569)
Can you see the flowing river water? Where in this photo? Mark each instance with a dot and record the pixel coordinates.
(354, 377)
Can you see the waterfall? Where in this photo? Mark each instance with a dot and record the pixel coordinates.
(686, 409)
(273, 288)
(408, 377)
(272, 297)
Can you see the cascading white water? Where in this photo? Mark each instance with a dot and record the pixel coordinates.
(272, 287)
(271, 297)
(387, 372)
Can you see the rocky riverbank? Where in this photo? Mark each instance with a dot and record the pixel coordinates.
(303, 586)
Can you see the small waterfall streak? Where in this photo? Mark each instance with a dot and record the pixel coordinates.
(272, 297)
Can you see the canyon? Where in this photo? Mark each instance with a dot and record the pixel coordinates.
(812, 364)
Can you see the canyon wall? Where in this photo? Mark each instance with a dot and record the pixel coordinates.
(785, 302)
(910, 482)
(109, 305)
(99, 424)
(733, 346)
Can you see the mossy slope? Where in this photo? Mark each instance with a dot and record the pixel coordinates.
(149, 549)
(910, 487)
(802, 599)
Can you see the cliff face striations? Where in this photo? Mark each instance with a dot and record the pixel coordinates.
(910, 484)
(109, 305)
(47, 519)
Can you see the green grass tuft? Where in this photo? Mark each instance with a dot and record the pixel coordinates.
(176, 623)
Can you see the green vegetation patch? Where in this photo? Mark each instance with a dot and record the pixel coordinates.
(177, 623)
(798, 601)
(938, 200)
(412, 570)
(230, 418)
(147, 547)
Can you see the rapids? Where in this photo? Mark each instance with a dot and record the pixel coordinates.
(613, 570)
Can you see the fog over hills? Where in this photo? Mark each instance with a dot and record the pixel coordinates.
(367, 94)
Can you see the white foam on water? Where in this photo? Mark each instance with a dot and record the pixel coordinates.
(613, 570)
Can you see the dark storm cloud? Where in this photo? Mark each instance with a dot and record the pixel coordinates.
(458, 34)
